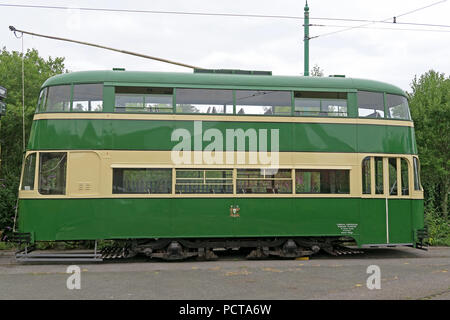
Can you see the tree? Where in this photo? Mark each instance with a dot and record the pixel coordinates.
(430, 110)
(316, 71)
(36, 71)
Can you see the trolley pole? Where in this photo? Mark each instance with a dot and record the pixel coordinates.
(306, 39)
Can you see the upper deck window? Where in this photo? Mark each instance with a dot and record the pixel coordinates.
(370, 104)
(204, 101)
(397, 107)
(87, 97)
(58, 99)
(144, 99)
(261, 102)
(42, 100)
(332, 104)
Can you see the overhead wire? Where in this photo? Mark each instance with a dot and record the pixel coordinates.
(219, 14)
(378, 28)
(380, 21)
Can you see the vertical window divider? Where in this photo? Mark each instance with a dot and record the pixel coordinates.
(71, 97)
(234, 101)
(386, 185)
(234, 181)
(399, 177)
(292, 104)
(174, 102)
(372, 176)
(174, 172)
(293, 180)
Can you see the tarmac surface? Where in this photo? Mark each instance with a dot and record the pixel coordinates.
(405, 273)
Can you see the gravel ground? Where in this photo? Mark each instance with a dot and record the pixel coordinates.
(405, 273)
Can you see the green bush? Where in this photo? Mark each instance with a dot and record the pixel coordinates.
(438, 229)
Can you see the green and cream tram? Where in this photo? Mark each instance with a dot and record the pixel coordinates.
(177, 164)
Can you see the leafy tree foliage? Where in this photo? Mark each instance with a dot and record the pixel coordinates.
(316, 71)
(430, 110)
(36, 71)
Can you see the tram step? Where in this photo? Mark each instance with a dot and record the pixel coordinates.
(28, 255)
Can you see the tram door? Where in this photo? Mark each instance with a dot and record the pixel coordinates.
(201, 207)
(398, 204)
(385, 204)
(263, 203)
(373, 202)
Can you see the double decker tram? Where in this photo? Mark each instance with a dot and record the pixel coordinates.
(179, 164)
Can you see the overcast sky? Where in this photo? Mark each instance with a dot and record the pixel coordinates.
(393, 56)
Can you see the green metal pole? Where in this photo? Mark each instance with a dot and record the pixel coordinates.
(306, 40)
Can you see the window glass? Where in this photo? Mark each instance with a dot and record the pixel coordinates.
(370, 104)
(264, 181)
(28, 172)
(405, 175)
(334, 108)
(307, 107)
(393, 184)
(332, 104)
(204, 181)
(416, 174)
(204, 101)
(142, 180)
(366, 176)
(42, 100)
(87, 97)
(379, 188)
(397, 107)
(322, 181)
(52, 172)
(263, 102)
(143, 99)
(58, 99)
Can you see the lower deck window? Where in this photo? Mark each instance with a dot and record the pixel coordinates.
(366, 186)
(264, 181)
(52, 172)
(190, 181)
(138, 181)
(28, 172)
(416, 174)
(322, 181)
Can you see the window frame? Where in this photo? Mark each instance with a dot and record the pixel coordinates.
(143, 96)
(87, 83)
(66, 162)
(114, 186)
(264, 178)
(346, 172)
(204, 180)
(383, 96)
(36, 157)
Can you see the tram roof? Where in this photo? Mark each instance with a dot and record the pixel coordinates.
(215, 80)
